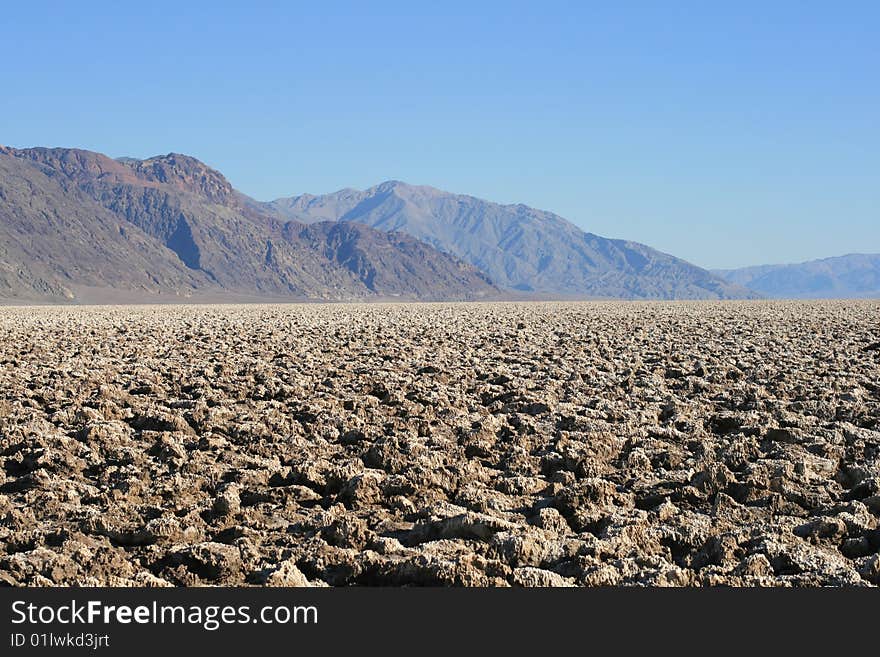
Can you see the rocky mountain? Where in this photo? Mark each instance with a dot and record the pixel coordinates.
(77, 225)
(517, 246)
(57, 243)
(856, 275)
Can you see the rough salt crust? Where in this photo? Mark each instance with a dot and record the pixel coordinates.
(441, 444)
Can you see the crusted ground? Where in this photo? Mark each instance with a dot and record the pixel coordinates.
(486, 444)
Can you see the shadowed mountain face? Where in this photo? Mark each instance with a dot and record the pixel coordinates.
(845, 277)
(75, 225)
(518, 247)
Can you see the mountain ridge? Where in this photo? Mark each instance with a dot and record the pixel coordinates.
(519, 247)
(853, 275)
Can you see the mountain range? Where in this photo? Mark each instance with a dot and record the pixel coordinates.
(78, 226)
(520, 248)
(856, 275)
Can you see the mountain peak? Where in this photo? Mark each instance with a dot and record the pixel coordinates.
(187, 173)
(406, 190)
(181, 172)
(390, 186)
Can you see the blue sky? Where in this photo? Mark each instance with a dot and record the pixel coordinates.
(729, 134)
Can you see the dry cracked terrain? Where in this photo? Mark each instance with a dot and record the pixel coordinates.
(685, 444)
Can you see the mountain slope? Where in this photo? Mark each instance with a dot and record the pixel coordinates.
(850, 276)
(389, 263)
(56, 242)
(517, 246)
(182, 226)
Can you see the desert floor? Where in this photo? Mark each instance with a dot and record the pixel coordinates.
(441, 444)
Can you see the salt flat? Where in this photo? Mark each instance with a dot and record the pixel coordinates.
(447, 444)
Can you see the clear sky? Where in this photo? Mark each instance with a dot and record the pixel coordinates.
(727, 133)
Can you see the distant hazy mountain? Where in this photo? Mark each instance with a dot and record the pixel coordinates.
(77, 225)
(518, 247)
(849, 276)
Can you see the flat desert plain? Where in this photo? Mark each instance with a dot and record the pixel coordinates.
(552, 444)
